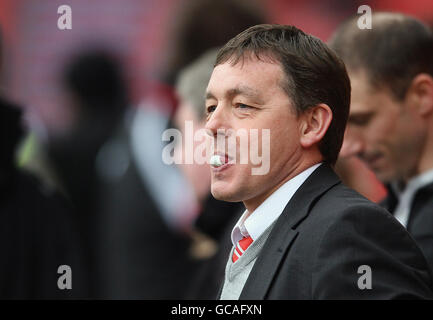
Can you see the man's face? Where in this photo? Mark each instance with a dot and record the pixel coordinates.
(249, 95)
(387, 134)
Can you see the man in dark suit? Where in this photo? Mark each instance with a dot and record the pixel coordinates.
(390, 126)
(40, 247)
(38, 234)
(303, 234)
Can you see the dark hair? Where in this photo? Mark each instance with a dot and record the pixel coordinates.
(392, 52)
(314, 74)
(95, 77)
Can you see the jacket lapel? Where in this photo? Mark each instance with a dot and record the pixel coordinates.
(284, 232)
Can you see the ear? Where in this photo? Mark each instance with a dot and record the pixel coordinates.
(420, 93)
(314, 124)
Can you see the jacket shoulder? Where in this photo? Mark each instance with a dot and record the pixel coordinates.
(355, 235)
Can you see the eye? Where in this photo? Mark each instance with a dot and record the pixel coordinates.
(360, 120)
(210, 109)
(243, 106)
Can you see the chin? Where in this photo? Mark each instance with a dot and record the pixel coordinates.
(222, 193)
(385, 177)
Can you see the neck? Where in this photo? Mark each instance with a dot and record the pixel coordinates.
(425, 161)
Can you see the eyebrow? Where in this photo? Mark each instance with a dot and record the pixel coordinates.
(240, 90)
(209, 95)
(360, 116)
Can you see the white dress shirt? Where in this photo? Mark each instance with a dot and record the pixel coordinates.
(259, 220)
(405, 197)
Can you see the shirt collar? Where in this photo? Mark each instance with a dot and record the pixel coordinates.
(413, 184)
(406, 196)
(259, 220)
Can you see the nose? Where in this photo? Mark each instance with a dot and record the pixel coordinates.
(352, 144)
(218, 120)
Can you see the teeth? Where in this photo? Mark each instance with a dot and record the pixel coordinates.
(215, 161)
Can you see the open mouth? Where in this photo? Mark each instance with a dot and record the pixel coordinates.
(372, 161)
(219, 161)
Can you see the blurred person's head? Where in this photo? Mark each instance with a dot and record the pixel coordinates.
(95, 86)
(200, 25)
(191, 87)
(278, 78)
(391, 72)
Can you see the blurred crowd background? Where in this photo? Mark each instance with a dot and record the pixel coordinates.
(82, 116)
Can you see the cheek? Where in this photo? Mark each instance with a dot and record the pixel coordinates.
(409, 139)
(382, 130)
(399, 135)
(283, 139)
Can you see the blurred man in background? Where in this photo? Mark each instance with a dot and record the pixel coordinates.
(129, 205)
(38, 233)
(390, 126)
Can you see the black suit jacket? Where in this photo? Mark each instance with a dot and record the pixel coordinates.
(420, 222)
(37, 235)
(325, 233)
